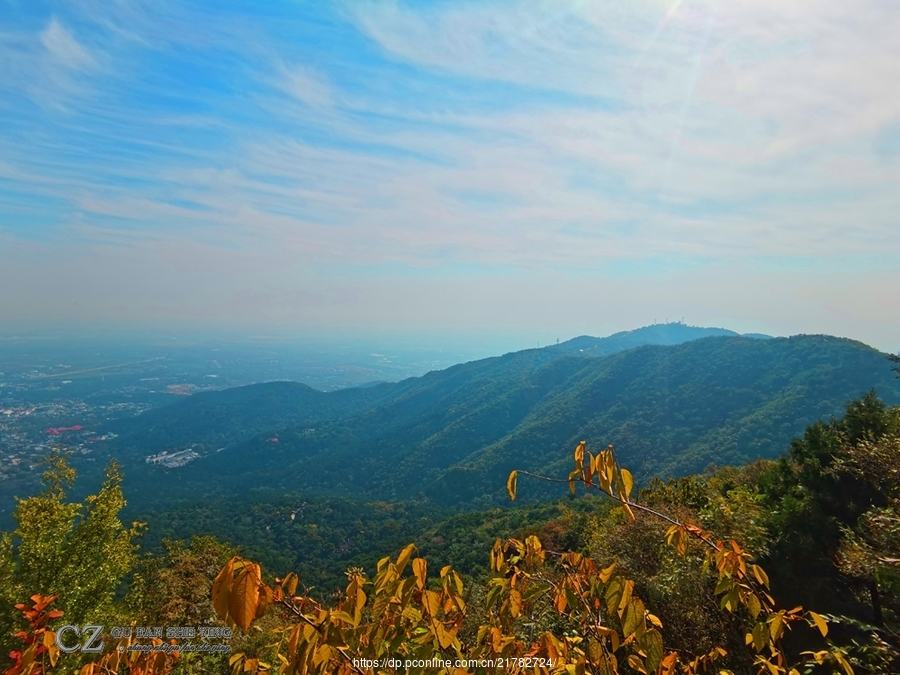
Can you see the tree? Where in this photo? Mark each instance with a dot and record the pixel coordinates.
(174, 588)
(77, 552)
(869, 549)
(819, 492)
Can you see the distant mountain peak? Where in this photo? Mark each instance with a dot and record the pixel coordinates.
(673, 333)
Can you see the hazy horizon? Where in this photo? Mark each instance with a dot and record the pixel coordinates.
(468, 345)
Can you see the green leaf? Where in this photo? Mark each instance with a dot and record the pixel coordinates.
(652, 643)
(633, 620)
(753, 605)
(535, 590)
(571, 598)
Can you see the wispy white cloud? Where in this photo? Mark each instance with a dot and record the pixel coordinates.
(775, 122)
(63, 47)
(518, 137)
(306, 85)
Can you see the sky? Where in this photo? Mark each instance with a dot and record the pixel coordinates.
(532, 169)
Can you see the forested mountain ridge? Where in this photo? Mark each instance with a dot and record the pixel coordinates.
(675, 410)
(227, 417)
(451, 436)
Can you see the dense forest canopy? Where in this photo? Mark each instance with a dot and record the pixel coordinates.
(814, 529)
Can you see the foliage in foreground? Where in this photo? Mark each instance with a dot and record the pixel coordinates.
(78, 553)
(669, 582)
(402, 621)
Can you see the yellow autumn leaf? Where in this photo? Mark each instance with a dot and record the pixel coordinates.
(635, 662)
(294, 639)
(404, 556)
(606, 573)
(431, 601)
(290, 584)
(342, 616)
(820, 623)
(221, 588)
(515, 603)
(579, 456)
(445, 638)
(560, 602)
(420, 567)
(265, 601)
(245, 596)
(776, 626)
(628, 482)
(760, 575)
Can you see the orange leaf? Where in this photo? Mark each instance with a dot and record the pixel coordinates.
(420, 567)
(294, 639)
(445, 638)
(244, 598)
(221, 588)
(432, 602)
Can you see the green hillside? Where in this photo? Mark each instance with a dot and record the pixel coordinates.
(451, 436)
(676, 410)
(219, 418)
(226, 417)
(212, 420)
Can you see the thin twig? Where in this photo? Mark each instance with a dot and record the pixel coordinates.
(635, 505)
(305, 619)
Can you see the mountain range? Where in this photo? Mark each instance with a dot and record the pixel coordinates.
(672, 398)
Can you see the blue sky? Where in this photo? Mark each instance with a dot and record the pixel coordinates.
(539, 169)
